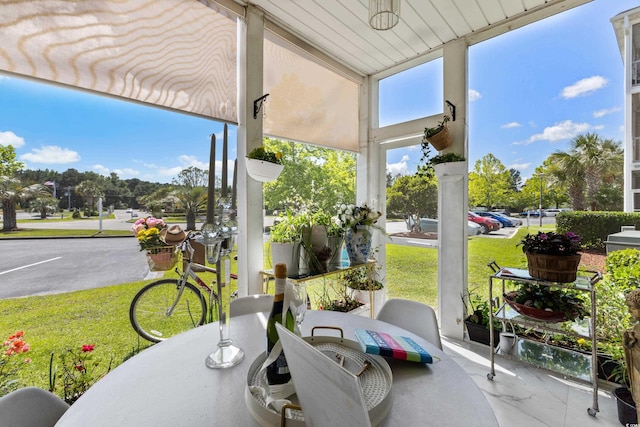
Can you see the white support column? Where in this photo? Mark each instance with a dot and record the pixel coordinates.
(628, 117)
(453, 198)
(250, 198)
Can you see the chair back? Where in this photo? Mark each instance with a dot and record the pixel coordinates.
(257, 303)
(414, 317)
(31, 407)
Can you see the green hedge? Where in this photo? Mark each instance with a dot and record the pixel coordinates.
(595, 227)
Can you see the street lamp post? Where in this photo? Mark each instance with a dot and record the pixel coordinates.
(540, 175)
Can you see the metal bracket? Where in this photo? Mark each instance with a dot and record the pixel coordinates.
(257, 104)
(453, 110)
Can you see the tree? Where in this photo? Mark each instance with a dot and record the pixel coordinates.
(590, 162)
(44, 205)
(490, 183)
(91, 191)
(191, 192)
(312, 176)
(11, 193)
(413, 196)
(8, 163)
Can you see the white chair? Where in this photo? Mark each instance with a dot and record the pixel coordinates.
(31, 407)
(250, 304)
(414, 317)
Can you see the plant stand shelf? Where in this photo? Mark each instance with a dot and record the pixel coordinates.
(500, 310)
(268, 276)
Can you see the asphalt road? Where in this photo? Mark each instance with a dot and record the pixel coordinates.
(47, 266)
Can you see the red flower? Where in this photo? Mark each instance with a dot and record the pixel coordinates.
(88, 347)
(18, 334)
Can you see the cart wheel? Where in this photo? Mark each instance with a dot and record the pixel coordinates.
(592, 412)
(490, 376)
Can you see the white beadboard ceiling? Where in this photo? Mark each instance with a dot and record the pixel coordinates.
(340, 29)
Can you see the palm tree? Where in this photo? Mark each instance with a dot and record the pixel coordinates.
(11, 193)
(91, 191)
(191, 191)
(44, 205)
(590, 162)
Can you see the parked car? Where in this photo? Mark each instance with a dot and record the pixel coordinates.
(554, 212)
(503, 220)
(430, 225)
(516, 222)
(488, 224)
(532, 213)
(129, 210)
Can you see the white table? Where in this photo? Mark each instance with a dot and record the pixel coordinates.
(169, 384)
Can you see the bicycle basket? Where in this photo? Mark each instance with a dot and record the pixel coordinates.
(162, 258)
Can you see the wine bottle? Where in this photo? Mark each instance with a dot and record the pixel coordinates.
(278, 371)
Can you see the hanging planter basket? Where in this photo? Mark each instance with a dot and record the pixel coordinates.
(263, 171)
(440, 140)
(554, 268)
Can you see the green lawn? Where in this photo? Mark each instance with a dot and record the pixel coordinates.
(54, 323)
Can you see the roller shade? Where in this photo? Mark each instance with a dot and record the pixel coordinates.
(178, 54)
(307, 101)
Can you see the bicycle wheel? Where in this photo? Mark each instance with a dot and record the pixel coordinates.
(148, 311)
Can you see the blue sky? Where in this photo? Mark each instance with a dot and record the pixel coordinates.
(531, 91)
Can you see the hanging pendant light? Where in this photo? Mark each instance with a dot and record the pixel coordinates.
(384, 14)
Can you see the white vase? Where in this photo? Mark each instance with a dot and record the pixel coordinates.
(287, 253)
(358, 244)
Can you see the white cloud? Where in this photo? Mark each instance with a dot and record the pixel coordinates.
(51, 154)
(558, 132)
(584, 87)
(102, 170)
(511, 125)
(188, 161)
(122, 173)
(474, 95)
(126, 172)
(399, 168)
(604, 112)
(519, 166)
(169, 172)
(10, 138)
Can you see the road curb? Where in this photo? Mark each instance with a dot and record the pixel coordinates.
(93, 236)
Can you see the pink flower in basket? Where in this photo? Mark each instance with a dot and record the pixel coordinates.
(147, 231)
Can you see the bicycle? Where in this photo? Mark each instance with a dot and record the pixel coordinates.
(167, 307)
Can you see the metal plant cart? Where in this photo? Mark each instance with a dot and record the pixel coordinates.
(585, 282)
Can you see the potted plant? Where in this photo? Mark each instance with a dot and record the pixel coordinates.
(438, 136)
(357, 220)
(544, 303)
(285, 238)
(264, 165)
(552, 256)
(441, 164)
(478, 318)
(315, 250)
(363, 284)
(340, 300)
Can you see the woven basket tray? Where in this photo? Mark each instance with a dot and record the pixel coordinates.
(376, 382)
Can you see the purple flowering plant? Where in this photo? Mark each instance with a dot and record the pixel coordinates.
(551, 243)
